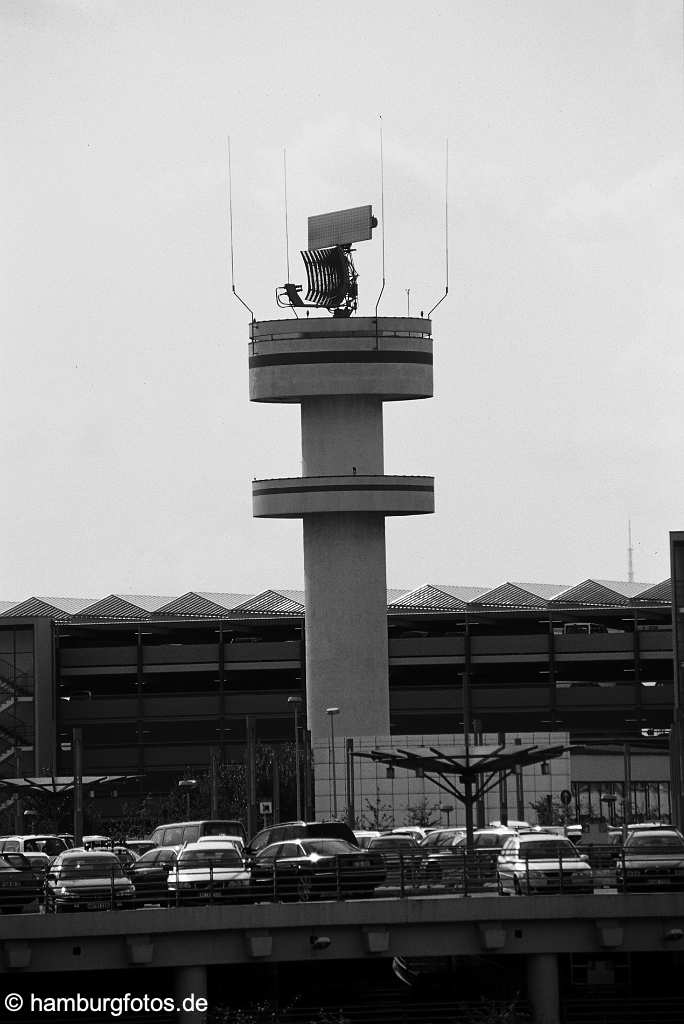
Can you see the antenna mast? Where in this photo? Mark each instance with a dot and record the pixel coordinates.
(630, 553)
(230, 219)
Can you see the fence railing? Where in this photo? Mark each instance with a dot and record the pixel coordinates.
(400, 875)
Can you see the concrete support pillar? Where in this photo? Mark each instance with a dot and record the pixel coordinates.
(346, 625)
(543, 988)
(342, 436)
(190, 985)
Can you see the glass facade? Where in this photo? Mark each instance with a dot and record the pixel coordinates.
(649, 801)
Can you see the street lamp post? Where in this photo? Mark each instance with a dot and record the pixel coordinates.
(296, 702)
(331, 712)
(188, 785)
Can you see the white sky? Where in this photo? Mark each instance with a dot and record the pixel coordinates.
(128, 441)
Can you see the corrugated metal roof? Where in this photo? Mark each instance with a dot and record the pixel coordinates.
(658, 592)
(429, 596)
(599, 592)
(466, 595)
(194, 603)
(50, 607)
(513, 595)
(125, 606)
(270, 601)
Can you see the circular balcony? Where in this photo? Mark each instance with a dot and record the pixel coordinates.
(387, 357)
(295, 497)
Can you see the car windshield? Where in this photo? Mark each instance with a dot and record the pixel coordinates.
(399, 843)
(655, 844)
(327, 847)
(221, 828)
(227, 858)
(90, 867)
(46, 844)
(539, 850)
(491, 840)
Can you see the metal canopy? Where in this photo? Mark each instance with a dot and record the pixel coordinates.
(54, 785)
(477, 772)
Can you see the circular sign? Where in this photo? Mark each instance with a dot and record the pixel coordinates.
(565, 797)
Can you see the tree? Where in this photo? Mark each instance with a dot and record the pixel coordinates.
(377, 816)
(550, 811)
(423, 815)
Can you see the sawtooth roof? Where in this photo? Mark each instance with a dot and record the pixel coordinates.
(428, 598)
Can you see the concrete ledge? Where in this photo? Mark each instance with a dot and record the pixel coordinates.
(295, 497)
(356, 928)
(292, 360)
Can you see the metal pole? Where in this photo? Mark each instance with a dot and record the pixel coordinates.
(276, 789)
(298, 781)
(213, 782)
(627, 794)
(503, 787)
(334, 772)
(77, 755)
(351, 812)
(251, 775)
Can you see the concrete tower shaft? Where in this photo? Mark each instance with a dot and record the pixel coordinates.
(341, 371)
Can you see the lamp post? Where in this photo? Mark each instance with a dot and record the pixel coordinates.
(188, 785)
(296, 702)
(331, 712)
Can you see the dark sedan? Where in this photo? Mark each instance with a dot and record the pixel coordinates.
(652, 861)
(150, 873)
(19, 884)
(87, 880)
(306, 868)
(402, 856)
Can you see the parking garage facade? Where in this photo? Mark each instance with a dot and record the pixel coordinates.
(160, 685)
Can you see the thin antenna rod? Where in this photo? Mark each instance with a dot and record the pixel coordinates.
(382, 223)
(230, 217)
(630, 553)
(446, 230)
(287, 232)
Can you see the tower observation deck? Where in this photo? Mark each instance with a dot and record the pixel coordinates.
(340, 370)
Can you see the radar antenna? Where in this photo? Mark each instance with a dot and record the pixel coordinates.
(330, 271)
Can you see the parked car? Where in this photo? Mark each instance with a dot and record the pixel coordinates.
(178, 833)
(416, 831)
(126, 857)
(140, 846)
(208, 873)
(306, 868)
(87, 880)
(20, 886)
(364, 836)
(402, 856)
(603, 852)
(39, 849)
(541, 862)
(236, 841)
(95, 842)
(481, 864)
(443, 857)
(300, 830)
(651, 860)
(150, 873)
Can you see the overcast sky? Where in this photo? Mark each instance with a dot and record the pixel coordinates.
(128, 440)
